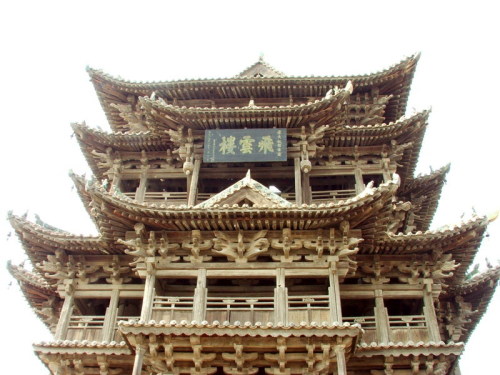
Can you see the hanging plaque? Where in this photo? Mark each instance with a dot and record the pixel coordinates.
(247, 145)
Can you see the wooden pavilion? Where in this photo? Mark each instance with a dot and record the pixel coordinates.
(260, 224)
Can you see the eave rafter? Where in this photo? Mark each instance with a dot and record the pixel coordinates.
(394, 81)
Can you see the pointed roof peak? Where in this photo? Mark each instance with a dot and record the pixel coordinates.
(260, 69)
(246, 190)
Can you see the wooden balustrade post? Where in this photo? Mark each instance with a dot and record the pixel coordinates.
(381, 318)
(298, 181)
(334, 295)
(193, 183)
(200, 296)
(109, 326)
(280, 298)
(64, 318)
(430, 312)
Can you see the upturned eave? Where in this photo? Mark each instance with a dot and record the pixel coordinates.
(426, 190)
(122, 213)
(395, 81)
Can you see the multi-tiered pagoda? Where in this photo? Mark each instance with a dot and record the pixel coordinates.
(261, 224)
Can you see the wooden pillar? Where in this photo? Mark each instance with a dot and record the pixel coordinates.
(140, 193)
(147, 307)
(381, 319)
(149, 294)
(334, 295)
(430, 312)
(193, 182)
(341, 363)
(298, 181)
(280, 298)
(358, 176)
(64, 317)
(109, 327)
(139, 358)
(200, 296)
(306, 188)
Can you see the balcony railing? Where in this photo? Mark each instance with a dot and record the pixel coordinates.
(178, 198)
(324, 196)
(172, 308)
(308, 309)
(85, 327)
(242, 309)
(402, 328)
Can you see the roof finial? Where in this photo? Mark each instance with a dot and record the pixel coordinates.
(248, 177)
(261, 57)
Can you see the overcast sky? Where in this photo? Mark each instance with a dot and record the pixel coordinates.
(46, 45)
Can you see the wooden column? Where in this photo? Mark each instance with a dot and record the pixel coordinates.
(139, 358)
(141, 190)
(306, 188)
(298, 181)
(341, 363)
(334, 295)
(381, 318)
(149, 294)
(280, 298)
(65, 316)
(200, 296)
(430, 313)
(109, 327)
(193, 182)
(358, 176)
(147, 307)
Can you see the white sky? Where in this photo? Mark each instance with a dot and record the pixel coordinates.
(46, 45)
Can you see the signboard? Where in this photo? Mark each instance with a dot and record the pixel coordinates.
(237, 145)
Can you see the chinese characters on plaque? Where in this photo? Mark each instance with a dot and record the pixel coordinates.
(231, 145)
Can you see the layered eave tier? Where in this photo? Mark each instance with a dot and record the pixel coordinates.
(395, 81)
(41, 295)
(95, 143)
(369, 210)
(477, 292)
(424, 192)
(166, 116)
(462, 241)
(39, 242)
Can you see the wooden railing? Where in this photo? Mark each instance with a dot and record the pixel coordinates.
(324, 196)
(178, 198)
(402, 328)
(308, 309)
(242, 309)
(85, 327)
(408, 328)
(172, 308)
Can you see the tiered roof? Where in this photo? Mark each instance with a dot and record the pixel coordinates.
(395, 81)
